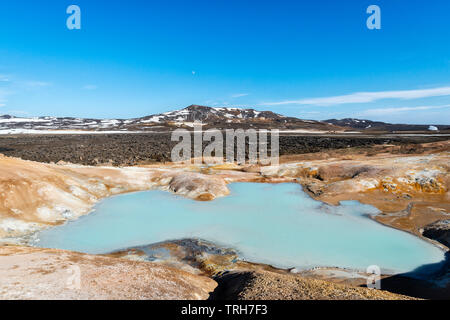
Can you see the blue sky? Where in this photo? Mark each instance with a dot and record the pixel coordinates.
(309, 59)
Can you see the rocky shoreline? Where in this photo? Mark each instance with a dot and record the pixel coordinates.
(438, 231)
(35, 273)
(225, 266)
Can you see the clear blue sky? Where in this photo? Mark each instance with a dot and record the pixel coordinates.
(309, 59)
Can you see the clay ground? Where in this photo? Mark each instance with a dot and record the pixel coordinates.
(408, 182)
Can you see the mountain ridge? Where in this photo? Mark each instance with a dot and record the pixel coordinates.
(209, 117)
(371, 125)
(220, 118)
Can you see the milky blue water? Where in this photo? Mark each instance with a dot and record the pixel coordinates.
(275, 224)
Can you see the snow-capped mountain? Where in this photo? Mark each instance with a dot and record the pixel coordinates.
(220, 118)
(208, 115)
(13, 124)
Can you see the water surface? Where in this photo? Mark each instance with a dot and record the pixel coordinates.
(278, 224)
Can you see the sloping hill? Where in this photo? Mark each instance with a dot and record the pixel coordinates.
(368, 125)
(219, 118)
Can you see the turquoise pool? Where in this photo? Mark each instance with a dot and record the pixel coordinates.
(277, 224)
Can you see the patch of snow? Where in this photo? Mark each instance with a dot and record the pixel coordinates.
(98, 188)
(303, 131)
(433, 128)
(46, 214)
(16, 225)
(33, 131)
(78, 192)
(369, 183)
(19, 120)
(109, 123)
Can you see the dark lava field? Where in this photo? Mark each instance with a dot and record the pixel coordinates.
(144, 148)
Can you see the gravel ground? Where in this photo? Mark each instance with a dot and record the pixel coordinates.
(132, 149)
(264, 285)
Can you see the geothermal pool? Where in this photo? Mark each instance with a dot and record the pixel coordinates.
(277, 224)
